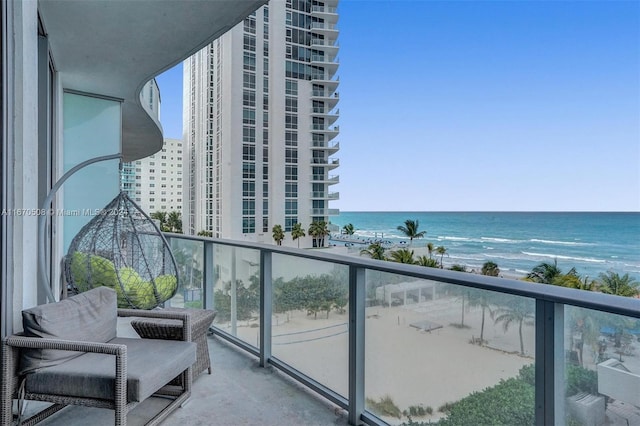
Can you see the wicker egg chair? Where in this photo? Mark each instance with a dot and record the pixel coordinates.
(122, 248)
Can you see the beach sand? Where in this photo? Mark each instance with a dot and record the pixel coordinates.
(410, 365)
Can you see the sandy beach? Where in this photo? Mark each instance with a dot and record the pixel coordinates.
(410, 365)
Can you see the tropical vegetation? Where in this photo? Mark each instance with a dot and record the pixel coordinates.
(168, 221)
(410, 230)
(297, 232)
(278, 234)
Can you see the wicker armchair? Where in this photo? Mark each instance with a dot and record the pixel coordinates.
(70, 369)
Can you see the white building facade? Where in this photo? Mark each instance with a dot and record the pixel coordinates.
(158, 179)
(259, 124)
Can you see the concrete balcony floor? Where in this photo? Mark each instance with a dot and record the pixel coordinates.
(238, 392)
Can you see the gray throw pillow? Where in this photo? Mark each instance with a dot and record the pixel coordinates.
(91, 317)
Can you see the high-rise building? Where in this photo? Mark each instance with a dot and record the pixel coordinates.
(259, 124)
(158, 179)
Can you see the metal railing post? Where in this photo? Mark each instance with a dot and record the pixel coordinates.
(207, 275)
(266, 306)
(357, 293)
(549, 364)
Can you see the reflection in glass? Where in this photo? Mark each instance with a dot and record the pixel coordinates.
(189, 259)
(236, 292)
(602, 370)
(448, 353)
(310, 324)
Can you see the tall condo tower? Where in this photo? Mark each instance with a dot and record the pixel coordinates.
(259, 124)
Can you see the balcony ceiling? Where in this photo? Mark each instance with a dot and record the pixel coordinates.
(112, 48)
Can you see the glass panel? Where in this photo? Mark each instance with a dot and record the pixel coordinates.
(189, 259)
(441, 352)
(310, 324)
(92, 128)
(602, 370)
(236, 292)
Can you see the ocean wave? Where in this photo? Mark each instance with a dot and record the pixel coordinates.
(558, 256)
(446, 238)
(562, 243)
(500, 240)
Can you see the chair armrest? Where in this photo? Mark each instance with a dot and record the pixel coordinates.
(118, 350)
(162, 315)
(66, 345)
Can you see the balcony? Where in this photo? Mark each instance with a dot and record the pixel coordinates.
(327, 29)
(330, 46)
(322, 195)
(327, 13)
(330, 114)
(422, 336)
(331, 179)
(332, 147)
(330, 163)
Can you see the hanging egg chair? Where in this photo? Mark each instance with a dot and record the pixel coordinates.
(122, 248)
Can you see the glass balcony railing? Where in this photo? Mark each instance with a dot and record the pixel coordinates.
(395, 343)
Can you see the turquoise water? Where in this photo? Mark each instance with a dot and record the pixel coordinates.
(593, 243)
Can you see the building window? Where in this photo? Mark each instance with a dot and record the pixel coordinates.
(248, 116)
(249, 61)
(290, 172)
(249, 134)
(248, 170)
(291, 189)
(249, 80)
(249, 225)
(291, 156)
(248, 188)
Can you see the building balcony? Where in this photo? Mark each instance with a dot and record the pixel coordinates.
(327, 29)
(330, 82)
(330, 163)
(325, 212)
(331, 147)
(413, 335)
(405, 340)
(331, 179)
(329, 114)
(327, 13)
(322, 195)
(330, 46)
(324, 128)
(329, 95)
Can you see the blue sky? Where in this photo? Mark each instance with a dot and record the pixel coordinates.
(483, 105)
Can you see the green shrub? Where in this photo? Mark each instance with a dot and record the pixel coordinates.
(384, 407)
(510, 402)
(580, 379)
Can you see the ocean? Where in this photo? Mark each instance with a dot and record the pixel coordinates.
(593, 243)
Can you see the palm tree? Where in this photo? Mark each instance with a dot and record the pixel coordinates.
(490, 269)
(402, 256)
(161, 217)
(314, 231)
(574, 281)
(430, 249)
(174, 221)
(278, 234)
(374, 251)
(519, 311)
(348, 229)
(544, 273)
(323, 231)
(480, 298)
(427, 261)
(297, 232)
(612, 283)
(441, 250)
(410, 229)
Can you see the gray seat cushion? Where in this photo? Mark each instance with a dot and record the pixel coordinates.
(91, 317)
(151, 364)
